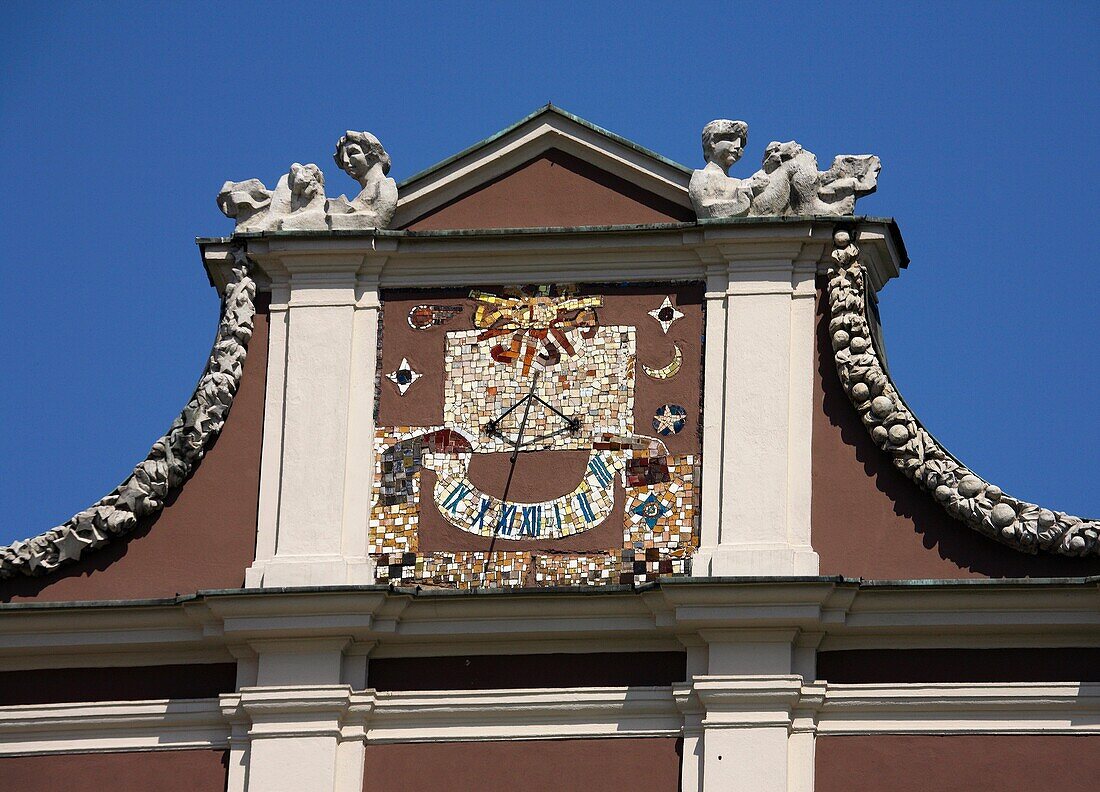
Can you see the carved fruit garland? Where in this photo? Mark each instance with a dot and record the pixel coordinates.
(894, 429)
(172, 458)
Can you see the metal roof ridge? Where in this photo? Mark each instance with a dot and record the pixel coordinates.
(549, 107)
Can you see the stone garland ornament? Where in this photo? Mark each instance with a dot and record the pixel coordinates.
(787, 184)
(298, 202)
(172, 458)
(982, 506)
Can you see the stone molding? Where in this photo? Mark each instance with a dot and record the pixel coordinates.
(102, 726)
(960, 708)
(1070, 708)
(426, 623)
(527, 714)
(982, 506)
(172, 458)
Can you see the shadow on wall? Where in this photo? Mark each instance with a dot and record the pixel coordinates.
(204, 538)
(870, 521)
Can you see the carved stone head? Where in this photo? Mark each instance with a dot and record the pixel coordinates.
(776, 153)
(243, 201)
(358, 152)
(724, 142)
(307, 183)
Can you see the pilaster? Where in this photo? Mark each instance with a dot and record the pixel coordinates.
(293, 736)
(746, 731)
(758, 401)
(740, 714)
(319, 425)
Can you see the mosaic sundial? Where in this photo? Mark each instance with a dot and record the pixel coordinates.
(526, 374)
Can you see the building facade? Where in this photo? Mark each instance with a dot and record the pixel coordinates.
(558, 465)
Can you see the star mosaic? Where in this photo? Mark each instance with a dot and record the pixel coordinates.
(666, 313)
(669, 419)
(403, 376)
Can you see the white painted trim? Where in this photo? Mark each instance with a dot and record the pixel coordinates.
(966, 708)
(271, 458)
(537, 714)
(714, 407)
(527, 142)
(359, 455)
(626, 253)
(803, 339)
(112, 726)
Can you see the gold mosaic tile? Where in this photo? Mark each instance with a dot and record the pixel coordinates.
(461, 570)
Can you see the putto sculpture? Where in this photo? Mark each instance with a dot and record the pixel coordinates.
(307, 199)
(361, 156)
(788, 182)
(298, 202)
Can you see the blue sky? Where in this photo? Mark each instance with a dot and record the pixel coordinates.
(119, 122)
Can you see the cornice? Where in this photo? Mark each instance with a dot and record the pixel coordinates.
(172, 458)
(982, 506)
(668, 251)
(844, 614)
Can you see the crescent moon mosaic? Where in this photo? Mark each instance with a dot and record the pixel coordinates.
(669, 370)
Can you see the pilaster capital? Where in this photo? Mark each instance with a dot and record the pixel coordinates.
(289, 711)
(734, 701)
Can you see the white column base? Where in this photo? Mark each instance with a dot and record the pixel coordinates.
(295, 738)
(746, 730)
(292, 571)
(754, 560)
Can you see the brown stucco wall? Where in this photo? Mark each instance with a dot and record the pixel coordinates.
(135, 771)
(204, 538)
(868, 520)
(118, 683)
(639, 764)
(491, 672)
(554, 189)
(957, 763)
(1006, 664)
(545, 474)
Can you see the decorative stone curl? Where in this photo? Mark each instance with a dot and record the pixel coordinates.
(894, 429)
(172, 458)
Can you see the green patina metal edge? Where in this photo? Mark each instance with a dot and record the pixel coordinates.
(473, 233)
(547, 108)
(687, 580)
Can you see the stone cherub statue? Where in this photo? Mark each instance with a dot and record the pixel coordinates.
(298, 201)
(307, 199)
(361, 156)
(713, 191)
(788, 182)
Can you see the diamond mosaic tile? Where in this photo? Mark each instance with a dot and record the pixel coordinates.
(666, 313)
(403, 376)
(669, 529)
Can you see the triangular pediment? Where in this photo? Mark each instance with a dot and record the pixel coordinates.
(551, 169)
